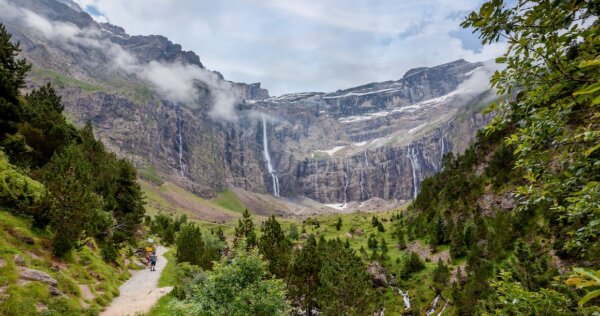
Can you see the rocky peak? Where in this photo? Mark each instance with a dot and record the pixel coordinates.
(251, 91)
(158, 48)
(57, 10)
(71, 4)
(114, 30)
(414, 71)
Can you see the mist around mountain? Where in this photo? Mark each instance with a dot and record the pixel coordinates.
(161, 108)
(482, 200)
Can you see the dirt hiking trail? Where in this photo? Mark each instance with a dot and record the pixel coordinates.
(141, 291)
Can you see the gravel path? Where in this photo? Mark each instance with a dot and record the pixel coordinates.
(141, 291)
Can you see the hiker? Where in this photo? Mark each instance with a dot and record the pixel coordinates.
(153, 261)
(148, 259)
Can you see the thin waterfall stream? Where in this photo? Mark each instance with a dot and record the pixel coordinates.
(267, 157)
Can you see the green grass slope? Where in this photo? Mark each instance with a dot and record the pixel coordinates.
(86, 283)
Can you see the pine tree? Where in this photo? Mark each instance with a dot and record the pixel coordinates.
(412, 264)
(345, 285)
(245, 229)
(275, 247)
(384, 247)
(221, 234)
(190, 246)
(338, 226)
(213, 248)
(400, 237)
(293, 233)
(72, 202)
(45, 129)
(380, 227)
(304, 277)
(129, 200)
(441, 276)
(12, 79)
(457, 243)
(439, 237)
(372, 242)
(374, 221)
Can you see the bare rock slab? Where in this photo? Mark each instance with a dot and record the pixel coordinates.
(37, 275)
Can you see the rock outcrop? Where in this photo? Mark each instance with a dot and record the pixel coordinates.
(377, 273)
(37, 275)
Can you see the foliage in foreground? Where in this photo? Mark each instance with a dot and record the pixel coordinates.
(542, 150)
(236, 286)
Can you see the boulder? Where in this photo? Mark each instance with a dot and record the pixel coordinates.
(19, 260)
(54, 291)
(37, 275)
(349, 236)
(2, 263)
(507, 202)
(377, 273)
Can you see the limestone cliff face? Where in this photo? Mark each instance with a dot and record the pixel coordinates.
(333, 150)
(374, 141)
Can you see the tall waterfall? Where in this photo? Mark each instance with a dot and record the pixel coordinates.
(443, 148)
(267, 157)
(346, 181)
(364, 195)
(412, 153)
(179, 138)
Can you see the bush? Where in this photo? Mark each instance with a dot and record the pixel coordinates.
(190, 246)
(236, 287)
(17, 189)
(109, 252)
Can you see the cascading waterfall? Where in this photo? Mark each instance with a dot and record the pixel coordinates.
(179, 138)
(413, 155)
(362, 181)
(443, 148)
(364, 195)
(433, 307)
(267, 157)
(405, 299)
(346, 180)
(443, 309)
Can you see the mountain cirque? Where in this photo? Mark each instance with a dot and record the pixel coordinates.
(363, 147)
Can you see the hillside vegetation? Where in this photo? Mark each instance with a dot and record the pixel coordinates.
(521, 204)
(510, 227)
(34, 281)
(69, 209)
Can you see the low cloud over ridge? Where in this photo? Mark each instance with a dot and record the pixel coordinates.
(174, 81)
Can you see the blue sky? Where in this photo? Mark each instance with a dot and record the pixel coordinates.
(308, 45)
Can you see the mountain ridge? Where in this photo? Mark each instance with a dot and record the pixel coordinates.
(208, 136)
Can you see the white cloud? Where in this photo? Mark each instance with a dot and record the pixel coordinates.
(175, 81)
(309, 45)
